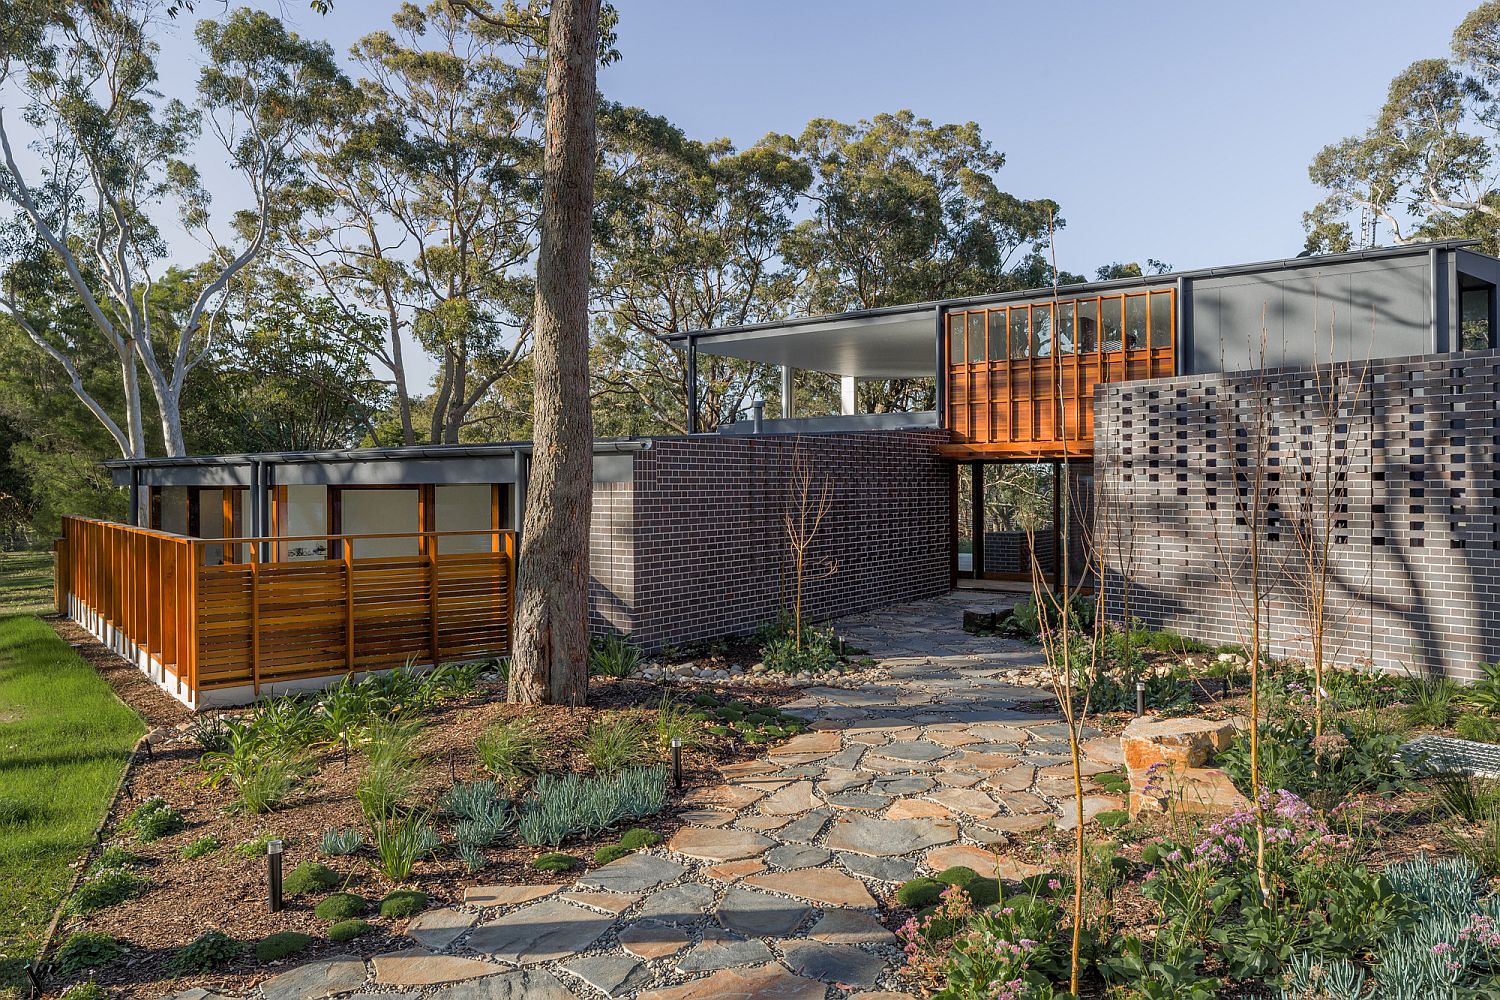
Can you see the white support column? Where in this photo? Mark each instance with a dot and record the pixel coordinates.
(786, 392)
(848, 397)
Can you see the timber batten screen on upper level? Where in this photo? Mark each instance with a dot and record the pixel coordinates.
(1021, 378)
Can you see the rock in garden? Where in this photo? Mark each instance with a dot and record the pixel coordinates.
(542, 932)
(760, 914)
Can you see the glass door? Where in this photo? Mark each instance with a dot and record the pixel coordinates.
(1019, 520)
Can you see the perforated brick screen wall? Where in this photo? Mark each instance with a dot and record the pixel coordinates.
(695, 547)
(1414, 529)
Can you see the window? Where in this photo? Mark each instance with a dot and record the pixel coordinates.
(1020, 345)
(956, 339)
(1161, 319)
(1065, 334)
(996, 320)
(1041, 331)
(1135, 322)
(976, 337)
(1088, 325)
(1109, 323)
(1475, 331)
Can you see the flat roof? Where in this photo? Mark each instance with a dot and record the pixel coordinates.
(900, 341)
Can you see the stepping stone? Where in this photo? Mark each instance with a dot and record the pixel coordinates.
(767, 982)
(733, 871)
(1022, 803)
(612, 975)
(746, 769)
(637, 873)
(821, 885)
(880, 869)
(805, 829)
(968, 856)
(875, 995)
(844, 781)
(794, 799)
(1104, 750)
(612, 902)
(984, 836)
(795, 856)
(992, 733)
(892, 766)
(717, 845)
(806, 747)
(917, 809)
(420, 967)
(833, 963)
(1020, 824)
(1093, 805)
(858, 801)
(735, 797)
(317, 979)
(652, 941)
(953, 740)
(707, 817)
(724, 951)
(889, 838)
(968, 801)
(541, 932)
(850, 927)
(914, 784)
(959, 779)
(846, 759)
(437, 929)
(526, 984)
(1059, 731)
(919, 750)
(1015, 779)
(978, 761)
(1015, 870)
(759, 914)
(681, 904)
(1088, 768)
(763, 823)
(506, 895)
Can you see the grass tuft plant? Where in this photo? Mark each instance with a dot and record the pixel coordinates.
(576, 805)
(616, 741)
(511, 751)
(400, 842)
(152, 820)
(612, 656)
(200, 848)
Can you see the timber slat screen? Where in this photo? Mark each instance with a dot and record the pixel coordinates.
(205, 624)
(1021, 378)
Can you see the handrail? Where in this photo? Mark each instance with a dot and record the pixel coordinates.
(264, 539)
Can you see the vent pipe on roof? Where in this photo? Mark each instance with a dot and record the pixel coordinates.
(758, 411)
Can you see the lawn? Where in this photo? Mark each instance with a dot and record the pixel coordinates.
(64, 738)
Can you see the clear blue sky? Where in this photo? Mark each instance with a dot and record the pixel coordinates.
(1175, 130)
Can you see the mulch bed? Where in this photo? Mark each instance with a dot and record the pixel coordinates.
(228, 892)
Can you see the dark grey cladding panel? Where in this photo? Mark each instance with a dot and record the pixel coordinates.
(1350, 310)
(403, 471)
(186, 475)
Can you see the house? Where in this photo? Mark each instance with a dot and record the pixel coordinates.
(246, 573)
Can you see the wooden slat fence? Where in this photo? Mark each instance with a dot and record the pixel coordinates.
(198, 627)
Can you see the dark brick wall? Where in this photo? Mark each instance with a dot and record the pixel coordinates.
(703, 523)
(1416, 536)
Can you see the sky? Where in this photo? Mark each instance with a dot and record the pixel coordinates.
(1172, 130)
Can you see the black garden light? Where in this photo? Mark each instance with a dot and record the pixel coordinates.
(1140, 698)
(677, 763)
(273, 873)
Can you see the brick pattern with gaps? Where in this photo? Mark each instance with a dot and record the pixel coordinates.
(1416, 514)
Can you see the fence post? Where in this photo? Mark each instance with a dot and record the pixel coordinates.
(254, 619)
(347, 548)
(432, 596)
(510, 591)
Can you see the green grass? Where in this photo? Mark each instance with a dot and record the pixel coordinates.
(64, 739)
(25, 583)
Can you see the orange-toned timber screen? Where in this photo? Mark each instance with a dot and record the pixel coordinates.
(1021, 378)
(197, 624)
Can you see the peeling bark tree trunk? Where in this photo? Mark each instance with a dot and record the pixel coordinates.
(550, 661)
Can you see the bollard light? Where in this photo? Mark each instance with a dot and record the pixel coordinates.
(677, 763)
(1140, 698)
(273, 873)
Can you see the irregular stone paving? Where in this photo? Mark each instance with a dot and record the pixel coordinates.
(770, 888)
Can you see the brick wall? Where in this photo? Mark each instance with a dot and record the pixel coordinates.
(1415, 530)
(702, 522)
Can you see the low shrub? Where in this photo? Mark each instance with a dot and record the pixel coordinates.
(208, 951)
(283, 944)
(114, 856)
(85, 991)
(307, 878)
(612, 656)
(341, 906)
(474, 858)
(200, 848)
(980, 890)
(85, 950)
(638, 838)
(348, 930)
(616, 741)
(1429, 701)
(403, 903)
(1477, 727)
(153, 820)
(814, 653)
(1467, 796)
(562, 806)
(920, 892)
(511, 750)
(210, 732)
(554, 861)
(1484, 693)
(1112, 818)
(611, 852)
(338, 843)
(256, 846)
(101, 888)
(400, 842)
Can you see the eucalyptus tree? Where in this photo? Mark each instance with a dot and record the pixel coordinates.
(113, 158)
(424, 202)
(690, 238)
(902, 210)
(1428, 167)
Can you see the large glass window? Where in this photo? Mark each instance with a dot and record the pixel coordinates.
(1065, 328)
(1476, 331)
(1109, 323)
(1161, 319)
(1041, 331)
(1020, 343)
(976, 337)
(956, 355)
(1088, 326)
(1135, 322)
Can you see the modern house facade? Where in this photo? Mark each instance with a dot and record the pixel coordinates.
(1046, 399)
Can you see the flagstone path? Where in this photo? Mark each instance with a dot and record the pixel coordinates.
(770, 888)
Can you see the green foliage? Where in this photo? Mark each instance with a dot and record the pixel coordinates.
(85, 991)
(256, 846)
(612, 656)
(554, 861)
(920, 892)
(639, 837)
(336, 843)
(618, 740)
(348, 930)
(341, 906)
(473, 857)
(263, 757)
(674, 720)
(403, 903)
(1357, 753)
(569, 805)
(1480, 842)
(200, 848)
(512, 750)
(101, 888)
(213, 949)
(283, 944)
(153, 820)
(813, 653)
(1477, 727)
(400, 842)
(483, 817)
(1112, 819)
(85, 950)
(1447, 945)
(611, 852)
(1467, 796)
(1027, 615)
(307, 878)
(1429, 701)
(387, 783)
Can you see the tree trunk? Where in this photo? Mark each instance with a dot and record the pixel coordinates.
(550, 649)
